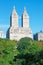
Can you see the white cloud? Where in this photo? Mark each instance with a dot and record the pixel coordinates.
(4, 26)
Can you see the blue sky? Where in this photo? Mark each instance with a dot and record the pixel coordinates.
(34, 9)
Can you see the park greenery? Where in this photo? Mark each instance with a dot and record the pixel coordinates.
(23, 52)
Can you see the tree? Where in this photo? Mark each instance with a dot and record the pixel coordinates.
(23, 45)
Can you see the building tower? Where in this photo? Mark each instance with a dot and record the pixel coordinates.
(14, 18)
(25, 19)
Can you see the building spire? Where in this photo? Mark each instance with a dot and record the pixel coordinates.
(14, 7)
(24, 9)
(14, 10)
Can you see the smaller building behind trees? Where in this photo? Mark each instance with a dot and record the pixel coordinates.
(0, 33)
(38, 36)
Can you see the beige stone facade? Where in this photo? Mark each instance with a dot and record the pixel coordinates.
(18, 33)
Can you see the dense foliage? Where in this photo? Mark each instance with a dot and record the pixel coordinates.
(24, 52)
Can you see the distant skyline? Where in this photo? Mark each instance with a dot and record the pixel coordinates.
(33, 7)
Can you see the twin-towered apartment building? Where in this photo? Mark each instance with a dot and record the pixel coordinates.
(15, 32)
